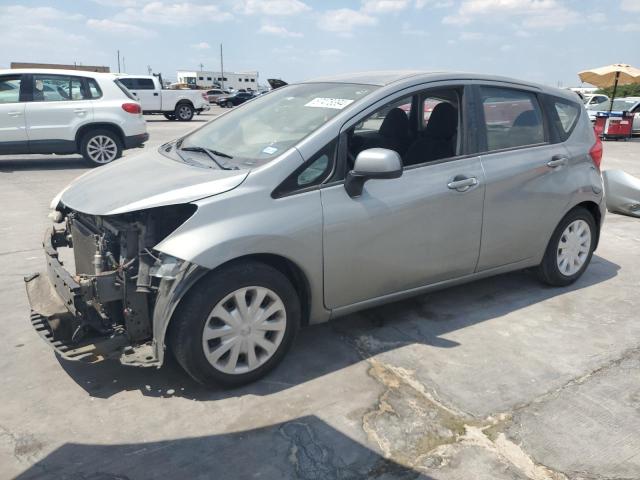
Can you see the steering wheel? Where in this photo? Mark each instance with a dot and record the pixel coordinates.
(62, 93)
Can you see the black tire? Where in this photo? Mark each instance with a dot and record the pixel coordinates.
(170, 116)
(184, 112)
(185, 332)
(549, 271)
(88, 142)
(229, 105)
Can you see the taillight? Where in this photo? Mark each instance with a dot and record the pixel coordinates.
(596, 152)
(205, 96)
(131, 108)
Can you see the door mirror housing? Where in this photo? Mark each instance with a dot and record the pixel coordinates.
(373, 163)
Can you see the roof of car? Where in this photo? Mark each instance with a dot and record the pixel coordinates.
(383, 78)
(54, 71)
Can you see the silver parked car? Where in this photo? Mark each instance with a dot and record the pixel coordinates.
(315, 201)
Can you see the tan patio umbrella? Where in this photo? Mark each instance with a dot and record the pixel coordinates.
(611, 75)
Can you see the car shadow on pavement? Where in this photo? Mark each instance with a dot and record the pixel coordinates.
(164, 120)
(8, 165)
(322, 349)
(304, 448)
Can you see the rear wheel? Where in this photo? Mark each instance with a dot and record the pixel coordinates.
(570, 249)
(184, 112)
(99, 147)
(229, 104)
(236, 324)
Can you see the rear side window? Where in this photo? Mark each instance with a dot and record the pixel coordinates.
(137, 83)
(565, 116)
(94, 88)
(512, 118)
(58, 88)
(10, 89)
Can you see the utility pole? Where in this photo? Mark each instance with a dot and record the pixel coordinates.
(118, 61)
(221, 69)
(149, 70)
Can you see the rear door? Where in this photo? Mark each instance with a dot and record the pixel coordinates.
(61, 104)
(526, 175)
(13, 132)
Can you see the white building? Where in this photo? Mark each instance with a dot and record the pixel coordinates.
(207, 79)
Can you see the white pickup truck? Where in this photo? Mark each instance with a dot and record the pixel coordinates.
(174, 104)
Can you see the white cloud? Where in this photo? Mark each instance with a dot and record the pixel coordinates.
(278, 31)
(331, 53)
(344, 20)
(384, 6)
(118, 28)
(183, 13)
(36, 14)
(531, 13)
(629, 27)
(434, 3)
(201, 46)
(471, 36)
(630, 5)
(117, 3)
(407, 29)
(272, 7)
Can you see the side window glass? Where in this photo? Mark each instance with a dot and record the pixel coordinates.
(10, 89)
(57, 88)
(94, 89)
(312, 173)
(512, 118)
(145, 84)
(567, 117)
(127, 82)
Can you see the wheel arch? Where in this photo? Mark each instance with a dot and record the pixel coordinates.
(163, 316)
(594, 210)
(82, 131)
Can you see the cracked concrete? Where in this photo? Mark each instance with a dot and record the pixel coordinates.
(500, 379)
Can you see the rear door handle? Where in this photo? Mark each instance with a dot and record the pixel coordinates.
(80, 110)
(14, 114)
(557, 161)
(462, 184)
(155, 94)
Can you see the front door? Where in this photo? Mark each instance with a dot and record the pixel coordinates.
(13, 132)
(419, 229)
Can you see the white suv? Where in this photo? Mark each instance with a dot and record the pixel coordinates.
(68, 111)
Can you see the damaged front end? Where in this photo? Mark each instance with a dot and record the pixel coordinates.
(122, 291)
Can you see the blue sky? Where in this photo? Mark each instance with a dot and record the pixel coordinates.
(546, 41)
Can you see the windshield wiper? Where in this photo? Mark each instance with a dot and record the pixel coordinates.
(212, 155)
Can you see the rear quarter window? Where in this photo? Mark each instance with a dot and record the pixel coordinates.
(124, 89)
(564, 116)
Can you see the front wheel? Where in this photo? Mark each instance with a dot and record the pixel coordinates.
(236, 324)
(570, 249)
(184, 112)
(99, 147)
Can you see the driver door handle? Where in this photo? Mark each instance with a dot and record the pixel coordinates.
(462, 184)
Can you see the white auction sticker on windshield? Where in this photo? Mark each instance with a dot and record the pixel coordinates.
(336, 103)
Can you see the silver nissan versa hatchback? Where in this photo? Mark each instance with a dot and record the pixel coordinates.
(311, 202)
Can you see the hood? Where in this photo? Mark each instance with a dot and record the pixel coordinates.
(145, 181)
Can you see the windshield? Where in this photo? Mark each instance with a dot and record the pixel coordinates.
(618, 106)
(260, 130)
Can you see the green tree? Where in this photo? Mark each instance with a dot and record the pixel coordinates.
(631, 90)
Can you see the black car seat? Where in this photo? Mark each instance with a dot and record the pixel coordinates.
(526, 129)
(394, 130)
(438, 139)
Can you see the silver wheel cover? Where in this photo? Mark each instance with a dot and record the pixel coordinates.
(573, 247)
(184, 112)
(102, 149)
(244, 330)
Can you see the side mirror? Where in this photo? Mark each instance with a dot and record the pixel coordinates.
(373, 163)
